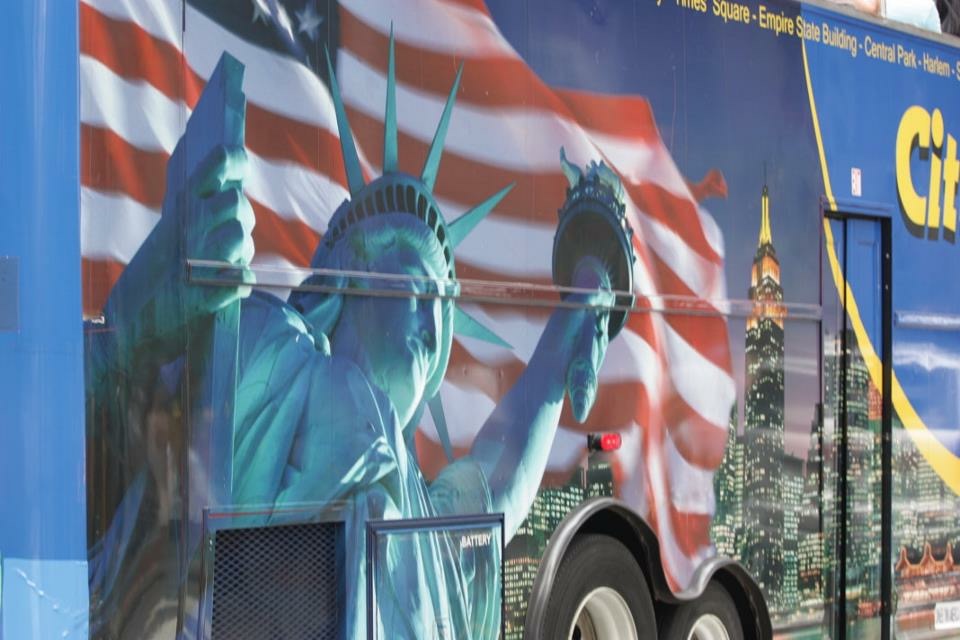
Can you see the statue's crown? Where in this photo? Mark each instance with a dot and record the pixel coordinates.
(395, 191)
(392, 193)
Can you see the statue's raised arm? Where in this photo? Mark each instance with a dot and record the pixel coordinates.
(593, 260)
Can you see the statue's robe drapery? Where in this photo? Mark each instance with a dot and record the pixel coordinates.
(311, 430)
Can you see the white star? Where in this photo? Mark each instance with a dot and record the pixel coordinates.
(261, 12)
(267, 10)
(279, 14)
(309, 21)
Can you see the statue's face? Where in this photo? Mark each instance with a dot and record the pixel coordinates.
(397, 338)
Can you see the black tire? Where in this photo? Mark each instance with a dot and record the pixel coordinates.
(677, 623)
(591, 562)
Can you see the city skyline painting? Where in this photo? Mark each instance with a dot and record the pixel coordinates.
(777, 508)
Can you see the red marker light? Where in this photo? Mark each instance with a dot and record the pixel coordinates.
(604, 442)
(610, 442)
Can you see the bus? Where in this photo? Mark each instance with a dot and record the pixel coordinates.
(477, 319)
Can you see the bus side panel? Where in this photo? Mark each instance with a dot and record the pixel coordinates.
(896, 159)
(43, 558)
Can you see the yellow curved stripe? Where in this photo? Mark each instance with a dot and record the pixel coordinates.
(943, 461)
(816, 129)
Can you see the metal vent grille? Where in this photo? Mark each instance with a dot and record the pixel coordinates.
(278, 583)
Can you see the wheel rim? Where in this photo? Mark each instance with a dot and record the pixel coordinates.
(603, 615)
(708, 627)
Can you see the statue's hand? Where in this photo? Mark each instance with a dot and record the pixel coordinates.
(589, 336)
(204, 201)
(205, 216)
(217, 223)
(589, 346)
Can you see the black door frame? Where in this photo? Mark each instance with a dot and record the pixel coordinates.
(843, 214)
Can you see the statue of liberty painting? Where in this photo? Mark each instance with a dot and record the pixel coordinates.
(332, 384)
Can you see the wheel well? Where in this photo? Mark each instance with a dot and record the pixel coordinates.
(609, 516)
(638, 538)
(633, 532)
(751, 606)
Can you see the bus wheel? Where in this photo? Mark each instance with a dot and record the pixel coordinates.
(600, 593)
(712, 616)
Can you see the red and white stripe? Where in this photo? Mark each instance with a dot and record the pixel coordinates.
(666, 384)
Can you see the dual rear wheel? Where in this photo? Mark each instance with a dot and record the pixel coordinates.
(712, 616)
(600, 593)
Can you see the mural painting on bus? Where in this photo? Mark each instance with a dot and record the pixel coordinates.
(338, 397)
(331, 384)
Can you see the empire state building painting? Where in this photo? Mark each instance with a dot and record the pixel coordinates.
(763, 524)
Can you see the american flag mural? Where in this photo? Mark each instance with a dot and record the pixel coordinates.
(666, 384)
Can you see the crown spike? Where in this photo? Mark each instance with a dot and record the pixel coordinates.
(462, 226)
(351, 162)
(390, 114)
(432, 164)
(440, 422)
(466, 325)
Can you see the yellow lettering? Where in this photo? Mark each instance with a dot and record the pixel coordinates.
(951, 174)
(936, 132)
(695, 5)
(776, 22)
(807, 30)
(914, 127)
(731, 11)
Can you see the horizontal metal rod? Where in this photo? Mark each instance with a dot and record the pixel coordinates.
(513, 293)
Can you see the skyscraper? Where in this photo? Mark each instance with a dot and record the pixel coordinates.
(792, 512)
(725, 529)
(810, 552)
(763, 527)
(523, 554)
(862, 473)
